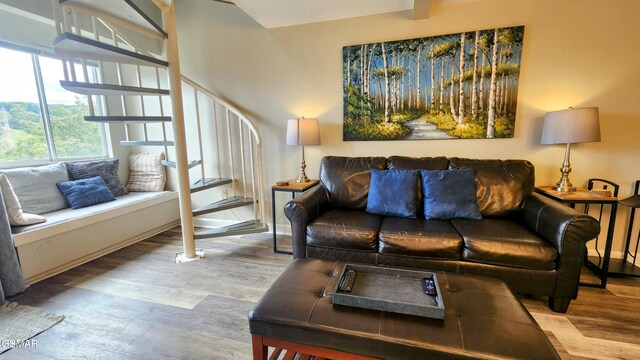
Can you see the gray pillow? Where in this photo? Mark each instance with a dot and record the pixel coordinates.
(107, 169)
(36, 187)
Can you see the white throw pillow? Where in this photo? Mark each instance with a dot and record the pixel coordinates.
(146, 172)
(36, 187)
(14, 210)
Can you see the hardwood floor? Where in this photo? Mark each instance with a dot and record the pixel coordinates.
(137, 304)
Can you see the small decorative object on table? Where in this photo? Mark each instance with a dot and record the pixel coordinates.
(600, 192)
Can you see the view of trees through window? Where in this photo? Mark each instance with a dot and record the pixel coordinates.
(39, 120)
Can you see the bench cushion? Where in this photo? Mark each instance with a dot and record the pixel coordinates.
(505, 243)
(67, 219)
(345, 229)
(433, 239)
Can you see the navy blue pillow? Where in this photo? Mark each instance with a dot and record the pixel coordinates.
(393, 192)
(107, 169)
(85, 192)
(450, 194)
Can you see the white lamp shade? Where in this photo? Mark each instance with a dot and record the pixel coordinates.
(303, 132)
(571, 126)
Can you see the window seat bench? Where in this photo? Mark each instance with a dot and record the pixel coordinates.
(72, 237)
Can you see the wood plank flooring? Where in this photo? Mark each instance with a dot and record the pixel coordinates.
(137, 304)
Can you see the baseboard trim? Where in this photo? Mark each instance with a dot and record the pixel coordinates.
(85, 259)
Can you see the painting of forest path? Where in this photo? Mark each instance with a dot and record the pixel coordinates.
(457, 86)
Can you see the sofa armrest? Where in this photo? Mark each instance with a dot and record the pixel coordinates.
(300, 212)
(568, 230)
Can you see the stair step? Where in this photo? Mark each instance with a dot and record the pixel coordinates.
(209, 183)
(172, 164)
(86, 88)
(226, 204)
(127, 119)
(76, 46)
(247, 227)
(146, 143)
(150, 17)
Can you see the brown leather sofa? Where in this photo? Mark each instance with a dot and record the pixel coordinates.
(532, 243)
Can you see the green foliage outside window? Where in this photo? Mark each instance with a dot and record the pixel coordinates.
(22, 135)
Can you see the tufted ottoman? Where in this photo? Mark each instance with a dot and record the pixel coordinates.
(483, 320)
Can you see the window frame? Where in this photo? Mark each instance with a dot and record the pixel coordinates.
(44, 113)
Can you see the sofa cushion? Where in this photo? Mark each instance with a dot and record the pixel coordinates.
(393, 193)
(449, 194)
(36, 187)
(417, 163)
(347, 179)
(85, 192)
(419, 237)
(107, 169)
(505, 243)
(345, 229)
(502, 185)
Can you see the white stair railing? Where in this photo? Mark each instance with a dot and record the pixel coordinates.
(243, 144)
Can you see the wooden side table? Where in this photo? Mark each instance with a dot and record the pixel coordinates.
(583, 196)
(294, 188)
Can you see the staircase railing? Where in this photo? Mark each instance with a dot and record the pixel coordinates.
(248, 150)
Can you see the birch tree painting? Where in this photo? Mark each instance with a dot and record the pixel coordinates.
(458, 86)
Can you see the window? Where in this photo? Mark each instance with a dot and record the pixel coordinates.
(39, 120)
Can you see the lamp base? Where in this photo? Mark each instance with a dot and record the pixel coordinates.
(565, 185)
(303, 175)
(304, 179)
(565, 188)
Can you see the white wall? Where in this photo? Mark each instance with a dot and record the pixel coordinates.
(576, 53)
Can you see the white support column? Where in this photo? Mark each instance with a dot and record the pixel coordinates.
(175, 86)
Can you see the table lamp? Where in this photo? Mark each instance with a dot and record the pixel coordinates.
(568, 127)
(303, 132)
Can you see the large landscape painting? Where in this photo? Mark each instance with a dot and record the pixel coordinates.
(458, 86)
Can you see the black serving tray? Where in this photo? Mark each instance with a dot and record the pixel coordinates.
(392, 290)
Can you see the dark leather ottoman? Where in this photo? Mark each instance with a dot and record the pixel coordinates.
(483, 320)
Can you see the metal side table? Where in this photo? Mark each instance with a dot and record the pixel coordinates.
(624, 267)
(294, 188)
(598, 264)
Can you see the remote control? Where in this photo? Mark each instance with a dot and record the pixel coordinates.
(347, 281)
(429, 286)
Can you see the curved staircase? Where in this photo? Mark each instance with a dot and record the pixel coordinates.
(123, 55)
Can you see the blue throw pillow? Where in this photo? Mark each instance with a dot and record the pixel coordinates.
(85, 192)
(393, 192)
(450, 194)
